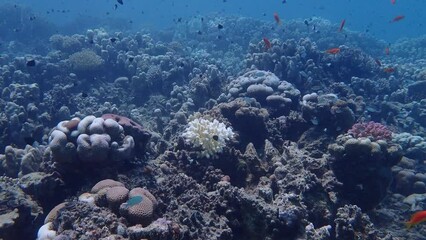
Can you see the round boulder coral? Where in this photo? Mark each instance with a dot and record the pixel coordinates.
(106, 183)
(138, 209)
(116, 196)
(100, 191)
(85, 61)
(143, 192)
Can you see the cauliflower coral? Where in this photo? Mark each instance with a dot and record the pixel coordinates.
(85, 60)
(210, 136)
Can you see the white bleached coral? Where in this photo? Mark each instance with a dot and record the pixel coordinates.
(210, 136)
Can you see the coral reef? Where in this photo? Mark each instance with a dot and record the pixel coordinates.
(364, 168)
(209, 132)
(18, 162)
(18, 210)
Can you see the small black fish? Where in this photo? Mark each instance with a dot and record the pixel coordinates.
(31, 63)
(215, 137)
(202, 19)
(306, 22)
(120, 2)
(91, 41)
(84, 95)
(115, 6)
(113, 40)
(32, 18)
(219, 37)
(179, 19)
(219, 26)
(199, 32)
(131, 59)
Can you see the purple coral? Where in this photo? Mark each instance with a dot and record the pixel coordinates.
(372, 130)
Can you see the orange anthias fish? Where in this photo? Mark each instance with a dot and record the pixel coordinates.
(397, 18)
(387, 51)
(268, 44)
(415, 219)
(393, 1)
(342, 24)
(277, 19)
(333, 51)
(389, 70)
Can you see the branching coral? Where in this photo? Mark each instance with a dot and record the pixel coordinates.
(211, 136)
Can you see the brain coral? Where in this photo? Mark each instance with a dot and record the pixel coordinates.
(107, 183)
(139, 208)
(116, 196)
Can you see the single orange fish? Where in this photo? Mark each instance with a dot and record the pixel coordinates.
(333, 51)
(416, 218)
(389, 70)
(277, 19)
(393, 1)
(342, 24)
(268, 44)
(397, 18)
(387, 51)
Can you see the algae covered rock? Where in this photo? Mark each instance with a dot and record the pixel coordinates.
(364, 168)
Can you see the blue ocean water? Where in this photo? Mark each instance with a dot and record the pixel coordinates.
(373, 17)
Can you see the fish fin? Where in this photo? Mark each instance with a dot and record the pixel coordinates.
(408, 225)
